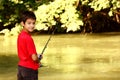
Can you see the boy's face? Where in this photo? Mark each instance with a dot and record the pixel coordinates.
(29, 25)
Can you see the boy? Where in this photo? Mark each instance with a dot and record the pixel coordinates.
(28, 60)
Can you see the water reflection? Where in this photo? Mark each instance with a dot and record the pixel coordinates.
(8, 45)
(82, 53)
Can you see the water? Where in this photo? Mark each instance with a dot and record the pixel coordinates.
(75, 56)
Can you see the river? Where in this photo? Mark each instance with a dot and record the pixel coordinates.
(75, 56)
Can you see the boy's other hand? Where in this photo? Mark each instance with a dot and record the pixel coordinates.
(34, 57)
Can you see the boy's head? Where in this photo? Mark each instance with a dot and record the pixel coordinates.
(27, 15)
(28, 20)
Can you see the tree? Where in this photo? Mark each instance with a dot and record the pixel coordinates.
(10, 10)
(60, 13)
(107, 10)
(67, 15)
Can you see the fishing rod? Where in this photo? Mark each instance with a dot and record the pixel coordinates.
(40, 56)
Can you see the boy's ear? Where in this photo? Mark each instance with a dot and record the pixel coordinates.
(22, 23)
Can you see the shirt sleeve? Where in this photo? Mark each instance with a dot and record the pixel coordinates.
(31, 46)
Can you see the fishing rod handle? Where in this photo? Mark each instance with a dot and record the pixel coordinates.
(40, 57)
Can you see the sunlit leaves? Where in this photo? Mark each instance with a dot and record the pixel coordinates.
(15, 1)
(110, 13)
(6, 32)
(98, 5)
(16, 30)
(62, 11)
(84, 2)
(0, 20)
(52, 13)
(115, 6)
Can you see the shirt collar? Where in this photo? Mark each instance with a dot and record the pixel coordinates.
(26, 32)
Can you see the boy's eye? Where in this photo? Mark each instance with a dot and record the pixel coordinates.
(31, 23)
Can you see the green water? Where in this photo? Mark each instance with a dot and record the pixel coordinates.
(74, 56)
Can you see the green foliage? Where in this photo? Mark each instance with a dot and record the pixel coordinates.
(10, 10)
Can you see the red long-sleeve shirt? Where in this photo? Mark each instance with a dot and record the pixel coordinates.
(26, 48)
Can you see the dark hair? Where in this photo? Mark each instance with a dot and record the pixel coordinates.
(27, 15)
